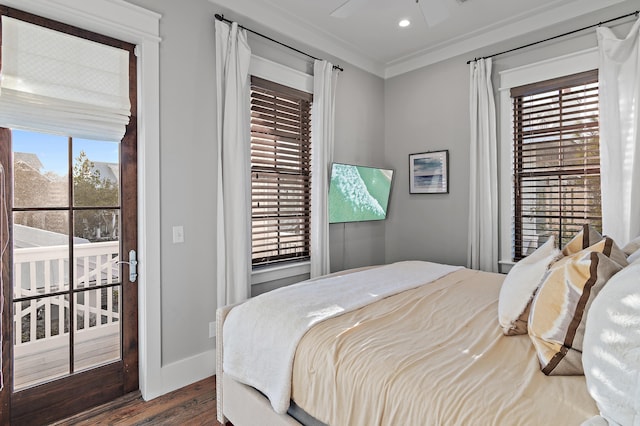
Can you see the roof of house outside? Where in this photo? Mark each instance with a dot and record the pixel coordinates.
(26, 236)
(28, 158)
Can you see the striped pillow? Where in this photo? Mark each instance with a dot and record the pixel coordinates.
(559, 310)
(583, 239)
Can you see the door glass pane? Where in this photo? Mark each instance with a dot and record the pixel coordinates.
(96, 173)
(40, 253)
(96, 248)
(41, 340)
(41, 170)
(96, 225)
(41, 263)
(97, 337)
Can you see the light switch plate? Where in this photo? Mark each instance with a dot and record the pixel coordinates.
(178, 234)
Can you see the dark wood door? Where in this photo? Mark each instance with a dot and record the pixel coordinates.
(69, 221)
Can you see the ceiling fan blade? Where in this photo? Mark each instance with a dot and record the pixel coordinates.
(348, 8)
(434, 11)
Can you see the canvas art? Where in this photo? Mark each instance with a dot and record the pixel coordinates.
(429, 172)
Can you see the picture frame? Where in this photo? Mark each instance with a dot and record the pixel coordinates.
(429, 172)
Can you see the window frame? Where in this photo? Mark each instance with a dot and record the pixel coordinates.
(287, 76)
(280, 173)
(539, 140)
(548, 69)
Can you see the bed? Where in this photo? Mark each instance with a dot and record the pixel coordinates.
(424, 349)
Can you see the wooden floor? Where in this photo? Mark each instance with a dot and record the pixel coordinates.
(193, 405)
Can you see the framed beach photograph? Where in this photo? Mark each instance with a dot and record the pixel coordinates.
(429, 172)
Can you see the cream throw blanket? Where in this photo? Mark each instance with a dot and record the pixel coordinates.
(261, 335)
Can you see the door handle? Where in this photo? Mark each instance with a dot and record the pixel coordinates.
(133, 266)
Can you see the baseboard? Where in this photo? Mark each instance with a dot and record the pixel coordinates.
(184, 372)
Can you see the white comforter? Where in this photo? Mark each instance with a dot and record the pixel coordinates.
(261, 335)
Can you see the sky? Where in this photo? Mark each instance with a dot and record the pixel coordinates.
(52, 149)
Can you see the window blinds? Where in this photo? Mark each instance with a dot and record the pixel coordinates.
(58, 83)
(556, 160)
(280, 172)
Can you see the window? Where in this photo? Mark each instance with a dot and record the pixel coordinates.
(280, 173)
(556, 160)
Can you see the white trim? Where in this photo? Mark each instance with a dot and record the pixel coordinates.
(572, 63)
(279, 272)
(133, 24)
(114, 18)
(184, 372)
(548, 69)
(281, 74)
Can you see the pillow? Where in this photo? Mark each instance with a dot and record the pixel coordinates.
(632, 246)
(633, 256)
(583, 239)
(520, 286)
(611, 353)
(609, 248)
(559, 310)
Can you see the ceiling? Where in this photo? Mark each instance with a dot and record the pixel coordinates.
(371, 39)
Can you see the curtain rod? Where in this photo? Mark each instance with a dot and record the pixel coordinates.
(558, 36)
(222, 18)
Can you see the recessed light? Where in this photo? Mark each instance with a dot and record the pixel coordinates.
(404, 23)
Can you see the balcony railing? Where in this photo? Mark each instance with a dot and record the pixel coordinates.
(41, 324)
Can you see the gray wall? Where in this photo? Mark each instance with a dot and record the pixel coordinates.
(359, 139)
(427, 109)
(187, 174)
(188, 158)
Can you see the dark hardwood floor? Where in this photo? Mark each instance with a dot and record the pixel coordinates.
(192, 405)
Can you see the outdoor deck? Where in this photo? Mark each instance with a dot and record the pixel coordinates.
(42, 361)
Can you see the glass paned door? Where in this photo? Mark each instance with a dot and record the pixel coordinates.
(66, 251)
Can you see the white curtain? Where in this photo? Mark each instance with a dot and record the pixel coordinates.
(57, 83)
(619, 76)
(483, 183)
(234, 163)
(322, 128)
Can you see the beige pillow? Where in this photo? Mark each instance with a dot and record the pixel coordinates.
(559, 310)
(520, 286)
(583, 239)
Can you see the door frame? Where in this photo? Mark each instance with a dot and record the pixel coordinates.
(140, 27)
(34, 405)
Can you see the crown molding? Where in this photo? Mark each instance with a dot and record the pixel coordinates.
(290, 27)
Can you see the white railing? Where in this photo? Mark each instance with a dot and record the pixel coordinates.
(44, 270)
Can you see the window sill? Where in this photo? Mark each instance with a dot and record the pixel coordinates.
(505, 265)
(279, 272)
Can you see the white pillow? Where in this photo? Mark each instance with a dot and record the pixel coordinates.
(520, 286)
(634, 256)
(611, 350)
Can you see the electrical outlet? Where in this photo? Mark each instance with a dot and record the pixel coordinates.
(212, 329)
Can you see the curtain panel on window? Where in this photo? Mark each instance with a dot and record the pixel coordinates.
(322, 137)
(57, 83)
(619, 127)
(234, 164)
(483, 183)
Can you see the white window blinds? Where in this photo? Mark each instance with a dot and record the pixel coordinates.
(58, 83)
